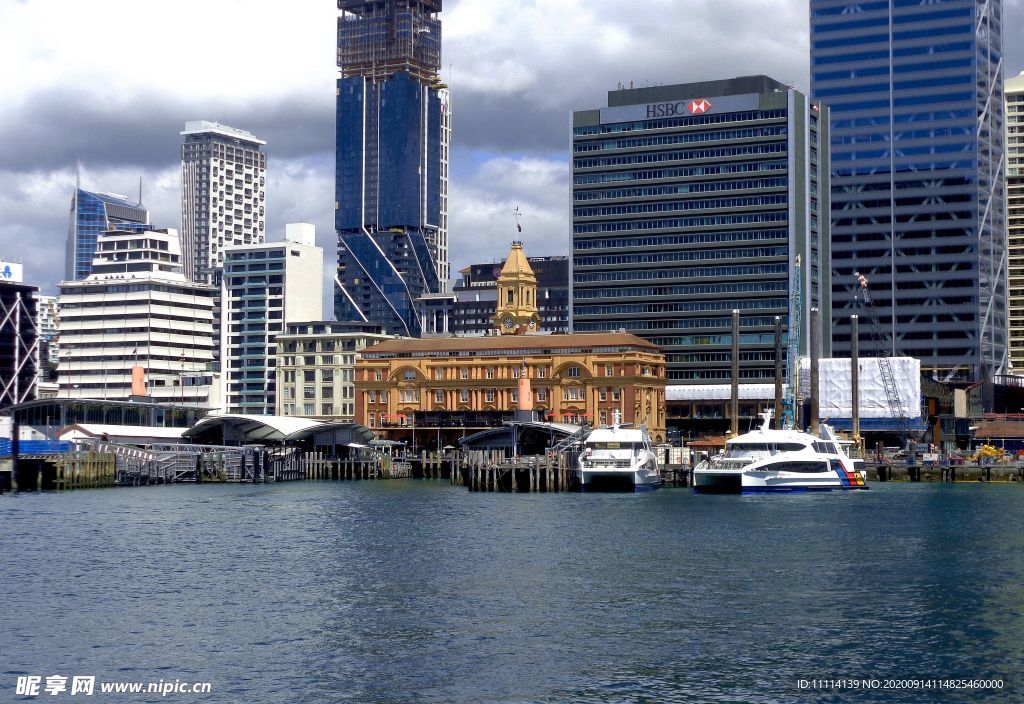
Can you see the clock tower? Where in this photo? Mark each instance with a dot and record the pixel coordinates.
(516, 309)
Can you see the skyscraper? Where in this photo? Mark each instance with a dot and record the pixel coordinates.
(223, 175)
(393, 126)
(916, 97)
(1015, 216)
(91, 215)
(694, 200)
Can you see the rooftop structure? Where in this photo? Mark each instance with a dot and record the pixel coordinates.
(92, 214)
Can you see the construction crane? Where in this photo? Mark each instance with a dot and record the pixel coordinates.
(892, 394)
(789, 406)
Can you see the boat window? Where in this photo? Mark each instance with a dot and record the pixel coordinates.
(789, 446)
(610, 445)
(827, 448)
(806, 467)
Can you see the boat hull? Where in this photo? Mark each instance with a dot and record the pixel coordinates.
(747, 482)
(592, 480)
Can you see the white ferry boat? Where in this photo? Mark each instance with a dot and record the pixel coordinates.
(618, 457)
(767, 460)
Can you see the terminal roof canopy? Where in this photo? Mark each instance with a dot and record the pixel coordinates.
(249, 429)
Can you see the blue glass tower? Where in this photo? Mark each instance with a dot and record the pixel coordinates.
(393, 123)
(91, 215)
(916, 95)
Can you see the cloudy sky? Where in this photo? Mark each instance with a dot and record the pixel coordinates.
(112, 82)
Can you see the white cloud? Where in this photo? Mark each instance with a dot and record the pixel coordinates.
(111, 81)
(483, 226)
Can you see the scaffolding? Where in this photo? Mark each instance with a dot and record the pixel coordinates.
(377, 39)
(19, 344)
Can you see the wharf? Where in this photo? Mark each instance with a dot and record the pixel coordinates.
(965, 473)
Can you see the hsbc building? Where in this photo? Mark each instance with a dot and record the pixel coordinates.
(692, 200)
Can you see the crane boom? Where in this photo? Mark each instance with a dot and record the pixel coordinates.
(892, 393)
(793, 348)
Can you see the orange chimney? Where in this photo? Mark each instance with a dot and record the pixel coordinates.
(525, 391)
(138, 381)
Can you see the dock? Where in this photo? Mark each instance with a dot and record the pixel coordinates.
(965, 473)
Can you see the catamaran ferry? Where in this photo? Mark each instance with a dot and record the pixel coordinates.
(618, 457)
(767, 460)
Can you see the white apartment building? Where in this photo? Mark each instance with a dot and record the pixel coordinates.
(223, 177)
(136, 309)
(316, 368)
(265, 287)
(1013, 90)
(47, 318)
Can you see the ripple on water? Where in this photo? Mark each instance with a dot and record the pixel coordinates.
(415, 591)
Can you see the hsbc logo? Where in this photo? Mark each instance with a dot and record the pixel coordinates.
(697, 106)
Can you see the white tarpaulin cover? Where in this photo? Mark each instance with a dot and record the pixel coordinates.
(835, 394)
(719, 392)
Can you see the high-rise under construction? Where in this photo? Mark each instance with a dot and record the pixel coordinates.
(391, 180)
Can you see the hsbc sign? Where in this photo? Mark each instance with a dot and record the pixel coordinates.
(683, 107)
(696, 106)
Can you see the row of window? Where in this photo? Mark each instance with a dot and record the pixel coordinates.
(326, 409)
(681, 172)
(897, 51)
(687, 121)
(635, 324)
(681, 138)
(693, 238)
(894, 37)
(675, 223)
(693, 273)
(674, 189)
(682, 307)
(682, 205)
(684, 290)
(685, 155)
(683, 256)
(310, 392)
(858, 71)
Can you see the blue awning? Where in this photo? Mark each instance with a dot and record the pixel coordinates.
(878, 425)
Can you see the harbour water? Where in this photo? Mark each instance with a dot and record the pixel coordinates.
(415, 591)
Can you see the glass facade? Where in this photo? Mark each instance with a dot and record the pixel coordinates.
(915, 92)
(392, 132)
(91, 215)
(691, 201)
